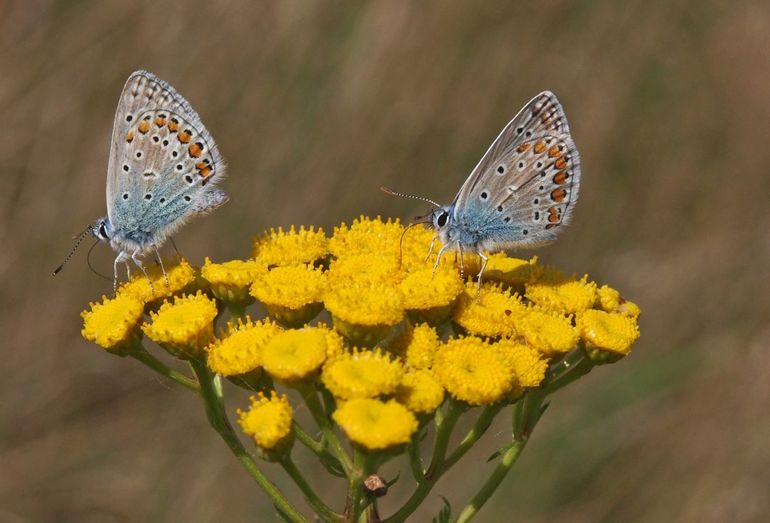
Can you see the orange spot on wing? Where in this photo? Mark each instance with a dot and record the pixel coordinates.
(551, 225)
(560, 178)
(185, 136)
(195, 150)
(144, 126)
(523, 147)
(554, 152)
(173, 125)
(204, 169)
(553, 215)
(130, 136)
(539, 147)
(558, 195)
(561, 163)
(160, 121)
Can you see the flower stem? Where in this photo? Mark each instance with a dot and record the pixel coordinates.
(212, 399)
(320, 508)
(141, 355)
(478, 430)
(306, 439)
(310, 396)
(573, 366)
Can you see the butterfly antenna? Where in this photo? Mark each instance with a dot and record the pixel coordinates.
(402, 195)
(80, 238)
(88, 261)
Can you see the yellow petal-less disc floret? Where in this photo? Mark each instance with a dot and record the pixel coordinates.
(268, 420)
(375, 424)
(362, 374)
(430, 296)
(295, 354)
(366, 235)
(240, 351)
(185, 326)
(291, 294)
(112, 324)
(607, 332)
(551, 334)
(420, 392)
(230, 281)
(528, 364)
(504, 269)
(181, 277)
(368, 268)
(292, 247)
(335, 343)
(473, 371)
(488, 312)
(566, 297)
(364, 313)
(416, 346)
(607, 298)
(415, 247)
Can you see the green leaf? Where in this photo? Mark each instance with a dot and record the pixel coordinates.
(393, 481)
(445, 515)
(330, 463)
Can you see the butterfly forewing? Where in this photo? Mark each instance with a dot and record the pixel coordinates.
(163, 162)
(525, 184)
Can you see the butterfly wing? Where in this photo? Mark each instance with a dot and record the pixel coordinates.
(163, 163)
(526, 183)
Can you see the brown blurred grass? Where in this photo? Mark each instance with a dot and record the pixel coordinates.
(315, 105)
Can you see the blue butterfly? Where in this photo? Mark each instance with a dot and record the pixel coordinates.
(520, 193)
(163, 169)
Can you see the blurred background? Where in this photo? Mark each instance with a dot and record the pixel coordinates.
(314, 106)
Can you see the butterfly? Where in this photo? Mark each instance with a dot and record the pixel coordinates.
(520, 193)
(163, 170)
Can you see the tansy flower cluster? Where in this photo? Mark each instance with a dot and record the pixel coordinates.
(363, 326)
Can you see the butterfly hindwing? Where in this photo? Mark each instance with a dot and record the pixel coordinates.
(525, 184)
(163, 162)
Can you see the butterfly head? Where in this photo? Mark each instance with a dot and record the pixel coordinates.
(441, 218)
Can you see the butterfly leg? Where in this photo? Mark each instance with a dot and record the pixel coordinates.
(430, 251)
(484, 261)
(121, 257)
(439, 255)
(462, 261)
(162, 268)
(138, 262)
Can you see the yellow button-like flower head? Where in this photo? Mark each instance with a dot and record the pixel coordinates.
(375, 424)
(567, 297)
(240, 351)
(513, 272)
(366, 236)
(488, 312)
(362, 374)
(365, 314)
(291, 294)
(473, 371)
(291, 248)
(230, 281)
(181, 278)
(268, 421)
(608, 336)
(369, 268)
(416, 346)
(420, 392)
(528, 364)
(295, 354)
(112, 324)
(429, 297)
(185, 326)
(551, 334)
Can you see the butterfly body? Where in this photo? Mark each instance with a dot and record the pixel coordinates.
(162, 170)
(523, 189)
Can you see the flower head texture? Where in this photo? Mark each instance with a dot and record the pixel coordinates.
(608, 332)
(292, 247)
(268, 420)
(366, 236)
(567, 297)
(423, 290)
(362, 374)
(183, 326)
(230, 281)
(375, 424)
(113, 322)
(487, 312)
(180, 277)
(420, 392)
(295, 354)
(292, 294)
(240, 350)
(416, 346)
(551, 334)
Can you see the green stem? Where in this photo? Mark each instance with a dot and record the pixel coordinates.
(355, 487)
(141, 355)
(310, 396)
(415, 461)
(573, 366)
(236, 311)
(478, 430)
(317, 447)
(211, 394)
(445, 422)
(320, 508)
(507, 461)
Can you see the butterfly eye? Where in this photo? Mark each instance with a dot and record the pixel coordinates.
(103, 231)
(442, 219)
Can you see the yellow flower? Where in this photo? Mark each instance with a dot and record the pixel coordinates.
(566, 297)
(527, 363)
(550, 334)
(112, 323)
(185, 326)
(374, 424)
(629, 308)
(361, 374)
(607, 334)
(335, 344)
(420, 392)
(430, 297)
(366, 235)
(608, 299)
(473, 371)
(181, 277)
(487, 313)
(240, 351)
(373, 268)
(415, 247)
(501, 268)
(416, 346)
(292, 294)
(230, 281)
(268, 420)
(295, 354)
(365, 314)
(290, 248)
